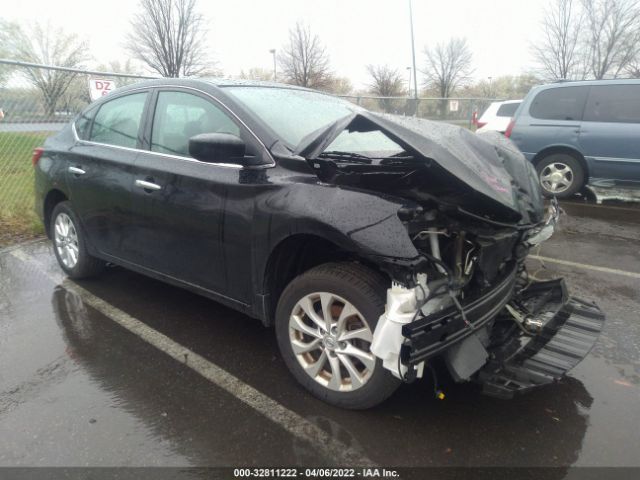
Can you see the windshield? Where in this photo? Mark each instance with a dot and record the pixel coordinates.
(292, 114)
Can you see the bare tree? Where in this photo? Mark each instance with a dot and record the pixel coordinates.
(50, 46)
(506, 87)
(448, 67)
(386, 82)
(7, 31)
(558, 53)
(304, 60)
(338, 85)
(257, 73)
(168, 36)
(633, 69)
(613, 39)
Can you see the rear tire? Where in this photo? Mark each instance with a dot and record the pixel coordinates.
(560, 175)
(329, 370)
(69, 244)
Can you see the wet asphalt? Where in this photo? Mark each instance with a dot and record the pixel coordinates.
(78, 389)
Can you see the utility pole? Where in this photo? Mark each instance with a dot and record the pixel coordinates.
(275, 72)
(413, 55)
(409, 82)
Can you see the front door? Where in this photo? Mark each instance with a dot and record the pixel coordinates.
(186, 222)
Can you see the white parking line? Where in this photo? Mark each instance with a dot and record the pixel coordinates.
(600, 206)
(586, 266)
(296, 425)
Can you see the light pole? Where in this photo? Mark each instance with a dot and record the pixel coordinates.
(413, 55)
(409, 82)
(275, 72)
(490, 90)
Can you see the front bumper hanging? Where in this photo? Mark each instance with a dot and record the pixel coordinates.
(570, 328)
(567, 329)
(433, 334)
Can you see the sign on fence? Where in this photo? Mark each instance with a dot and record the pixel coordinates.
(454, 105)
(99, 87)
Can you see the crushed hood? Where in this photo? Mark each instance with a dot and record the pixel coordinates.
(485, 174)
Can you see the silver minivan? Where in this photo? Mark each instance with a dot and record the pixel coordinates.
(579, 133)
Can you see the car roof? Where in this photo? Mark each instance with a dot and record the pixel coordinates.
(215, 82)
(234, 82)
(577, 83)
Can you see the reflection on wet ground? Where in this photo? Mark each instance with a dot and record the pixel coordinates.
(78, 389)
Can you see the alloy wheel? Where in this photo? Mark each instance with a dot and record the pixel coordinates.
(331, 340)
(556, 177)
(66, 240)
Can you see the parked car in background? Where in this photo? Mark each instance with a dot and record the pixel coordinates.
(497, 116)
(578, 133)
(374, 244)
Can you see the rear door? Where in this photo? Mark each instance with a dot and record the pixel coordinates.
(610, 133)
(553, 119)
(100, 173)
(192, 214)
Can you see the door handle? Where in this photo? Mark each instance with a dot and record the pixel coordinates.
(77, 171)
(147, 185)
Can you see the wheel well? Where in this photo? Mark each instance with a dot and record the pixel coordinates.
(569, 151)
(294, 256)
(53, 198)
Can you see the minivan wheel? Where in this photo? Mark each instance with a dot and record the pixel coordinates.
(325, 321)
(561, 175)
(69, 244)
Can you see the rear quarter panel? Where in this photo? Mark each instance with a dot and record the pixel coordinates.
(50, 171)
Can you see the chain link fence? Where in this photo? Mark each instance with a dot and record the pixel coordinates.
(459, 111)
(38, 100)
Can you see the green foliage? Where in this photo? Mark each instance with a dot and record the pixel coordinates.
(508, 87)
(338, 85)
(257, 73)
(17, 216)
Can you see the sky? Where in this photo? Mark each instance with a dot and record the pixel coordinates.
(355, 32)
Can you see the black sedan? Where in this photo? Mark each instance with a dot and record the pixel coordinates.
(375, 244)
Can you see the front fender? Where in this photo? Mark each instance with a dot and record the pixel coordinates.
(365, 223)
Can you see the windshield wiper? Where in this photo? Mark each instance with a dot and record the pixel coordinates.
(351, 156)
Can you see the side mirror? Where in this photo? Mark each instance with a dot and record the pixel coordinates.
(217, 148)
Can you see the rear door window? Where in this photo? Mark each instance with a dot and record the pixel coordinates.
(83, 123)
(118, 121)
(561, 103)
(179, 116)
(613, 103)
(507, 109)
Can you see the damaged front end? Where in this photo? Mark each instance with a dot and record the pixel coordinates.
(476, 307)
(473, 213)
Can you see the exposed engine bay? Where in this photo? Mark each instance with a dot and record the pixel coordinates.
(475, 305)
(474, 213)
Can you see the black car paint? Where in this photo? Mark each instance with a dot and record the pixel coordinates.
(487, 176)
(213, 228)
(228, 231)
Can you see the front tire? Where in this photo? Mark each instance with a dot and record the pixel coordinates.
(69, 244)
(325, 321)
(560, 175)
